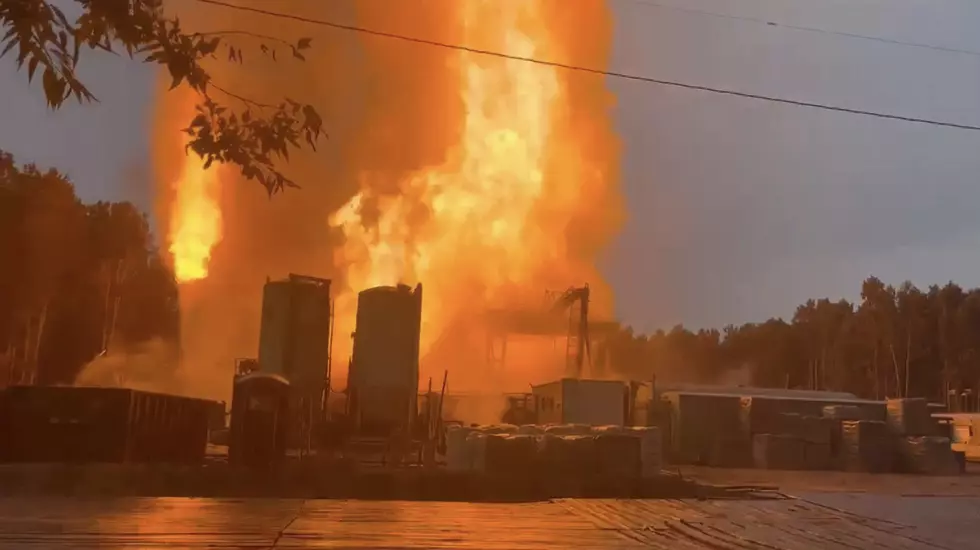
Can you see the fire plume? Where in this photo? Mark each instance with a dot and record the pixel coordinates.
(494, 224)
(195, 218)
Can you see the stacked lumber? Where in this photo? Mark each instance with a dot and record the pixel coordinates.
(844, 412)
(865, 446)
(929, 455)
(910, 417)
(778, 452)
(697, 421)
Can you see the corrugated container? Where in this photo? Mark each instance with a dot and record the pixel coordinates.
(928, 455)
(778, 452)
(116, 425)
(910, 417)
(698, 421)
(866, 446)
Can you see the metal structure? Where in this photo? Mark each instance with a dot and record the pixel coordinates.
(295, 342)
(577, 329)
(383, 380)
(107, 425)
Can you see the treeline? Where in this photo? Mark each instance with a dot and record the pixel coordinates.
(76, 280)
(896, 342)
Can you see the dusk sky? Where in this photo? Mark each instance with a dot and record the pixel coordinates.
(739, 209)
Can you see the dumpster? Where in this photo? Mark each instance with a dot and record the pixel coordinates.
(89, 424)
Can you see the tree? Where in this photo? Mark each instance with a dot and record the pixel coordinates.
(75, 278)
(45, 39)
(897, 342)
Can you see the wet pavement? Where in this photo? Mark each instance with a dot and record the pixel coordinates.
(807, 521)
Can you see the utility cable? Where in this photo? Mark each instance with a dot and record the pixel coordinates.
(600, 72)
(817, 30)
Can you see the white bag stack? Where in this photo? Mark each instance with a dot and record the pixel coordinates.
(651, 450)
(530, 429)
(569, 429)
(457, 449)
(476, 451)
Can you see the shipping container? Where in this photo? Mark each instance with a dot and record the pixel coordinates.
(383, 380)
(83, 424)
(589, 402)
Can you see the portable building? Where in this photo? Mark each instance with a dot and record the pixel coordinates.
(576, 401)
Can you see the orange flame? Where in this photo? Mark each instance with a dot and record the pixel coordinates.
(195, 218)
(489, 226)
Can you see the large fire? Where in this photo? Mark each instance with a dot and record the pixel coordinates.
(195, 226)
(490, 226)
(489, 180)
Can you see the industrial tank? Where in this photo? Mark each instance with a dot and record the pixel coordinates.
(294, 337)
(384, 371)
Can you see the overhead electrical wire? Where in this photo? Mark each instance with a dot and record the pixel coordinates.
(652, 4)
(599, 72)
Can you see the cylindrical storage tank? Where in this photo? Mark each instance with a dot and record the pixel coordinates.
(294, 337)
(384, 374)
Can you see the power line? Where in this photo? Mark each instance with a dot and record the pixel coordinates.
(817, 30)
(599, 72)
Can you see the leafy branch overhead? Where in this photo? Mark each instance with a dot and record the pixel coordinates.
(44, 39)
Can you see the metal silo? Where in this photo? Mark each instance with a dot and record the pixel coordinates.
(294, 338)
(384, 372)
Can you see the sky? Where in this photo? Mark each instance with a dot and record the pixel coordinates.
(738, 209)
